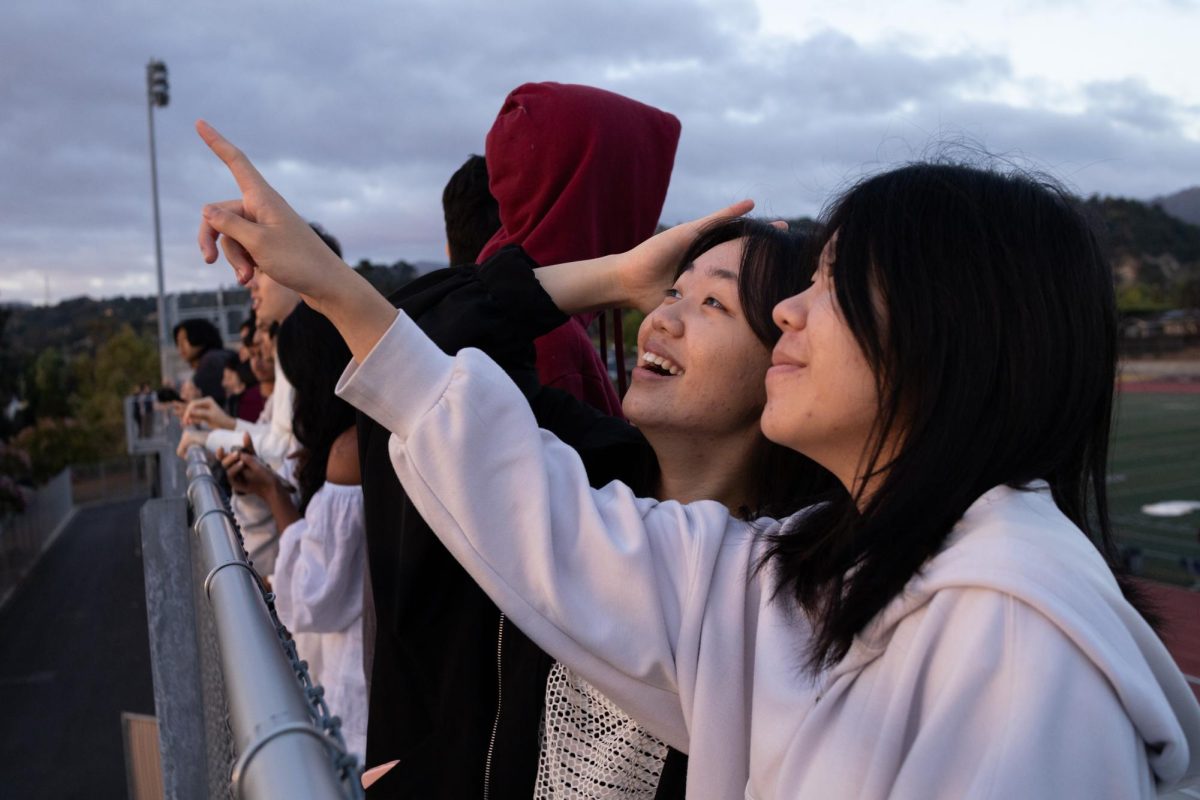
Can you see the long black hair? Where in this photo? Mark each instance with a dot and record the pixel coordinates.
(313, 355)
(994, 359)
(776, 264)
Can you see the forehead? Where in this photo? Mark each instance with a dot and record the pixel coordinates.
(722, 263)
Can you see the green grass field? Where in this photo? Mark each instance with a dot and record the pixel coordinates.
(1156, 457)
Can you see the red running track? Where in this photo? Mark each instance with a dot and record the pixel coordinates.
(1158, 387)
(1180, 610)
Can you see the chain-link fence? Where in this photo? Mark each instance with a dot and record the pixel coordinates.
(238, 714)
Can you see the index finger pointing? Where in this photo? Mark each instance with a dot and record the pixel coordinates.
(244, 172)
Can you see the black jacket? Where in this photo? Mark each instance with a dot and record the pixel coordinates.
(439, 657)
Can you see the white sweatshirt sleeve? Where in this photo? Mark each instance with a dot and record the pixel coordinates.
(612, 585)
(318, 580)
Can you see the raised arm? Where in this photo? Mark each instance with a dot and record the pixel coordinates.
(614, 586)
(260, 230)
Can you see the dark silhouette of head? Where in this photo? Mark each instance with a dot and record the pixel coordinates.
(472, 214)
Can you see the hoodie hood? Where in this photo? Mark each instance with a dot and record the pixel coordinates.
(578, 173)
(1020, 544)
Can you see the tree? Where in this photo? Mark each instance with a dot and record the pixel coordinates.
(122, 362)
(51, 385)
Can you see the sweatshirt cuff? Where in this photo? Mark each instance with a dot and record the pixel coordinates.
(403, 376)
(509, 278)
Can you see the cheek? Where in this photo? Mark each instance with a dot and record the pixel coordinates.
(644, 328)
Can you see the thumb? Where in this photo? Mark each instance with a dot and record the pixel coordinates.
(247, 445)
(242, 237)
(233, 225)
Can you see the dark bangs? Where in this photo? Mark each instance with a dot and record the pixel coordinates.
(986, 311)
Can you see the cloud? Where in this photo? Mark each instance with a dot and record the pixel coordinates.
(359, 112)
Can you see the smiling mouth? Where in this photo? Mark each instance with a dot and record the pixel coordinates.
(660, 365)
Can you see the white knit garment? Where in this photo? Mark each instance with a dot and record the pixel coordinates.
(591, 748)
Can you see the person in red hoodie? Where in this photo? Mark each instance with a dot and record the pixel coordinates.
(578, 173)
(454, 694)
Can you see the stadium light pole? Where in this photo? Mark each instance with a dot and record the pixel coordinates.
(157, 94)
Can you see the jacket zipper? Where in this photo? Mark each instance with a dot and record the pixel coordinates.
(487, 765)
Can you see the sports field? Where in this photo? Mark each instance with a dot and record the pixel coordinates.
(1156, 458)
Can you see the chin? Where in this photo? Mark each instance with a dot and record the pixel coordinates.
(776, 427)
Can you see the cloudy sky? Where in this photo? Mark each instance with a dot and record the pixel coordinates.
(358, 112)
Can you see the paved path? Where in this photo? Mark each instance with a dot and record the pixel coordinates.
(73, 655)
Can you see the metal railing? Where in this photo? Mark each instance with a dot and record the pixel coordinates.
(238, 714)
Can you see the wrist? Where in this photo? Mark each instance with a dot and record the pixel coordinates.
(360, 313)
(278, 491)
(583, 286)
(328, 291)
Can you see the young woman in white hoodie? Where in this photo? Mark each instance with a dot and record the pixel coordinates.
(948, 627)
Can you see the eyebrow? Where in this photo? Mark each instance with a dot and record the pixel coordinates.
(723, 274)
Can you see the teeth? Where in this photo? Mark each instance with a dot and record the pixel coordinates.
(661, 362)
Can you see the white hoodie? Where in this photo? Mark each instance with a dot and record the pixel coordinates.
(1011, 667)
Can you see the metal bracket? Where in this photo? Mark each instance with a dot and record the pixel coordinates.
(208, 578)
(199, 519)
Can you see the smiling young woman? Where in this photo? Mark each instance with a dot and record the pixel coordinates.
(945, 627)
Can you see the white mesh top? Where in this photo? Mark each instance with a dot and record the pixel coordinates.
(591, 748)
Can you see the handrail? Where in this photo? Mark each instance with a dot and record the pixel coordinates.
(287, 747)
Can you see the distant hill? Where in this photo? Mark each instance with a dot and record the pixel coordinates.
(1155, 256)
(77, 325)
(1183, 205)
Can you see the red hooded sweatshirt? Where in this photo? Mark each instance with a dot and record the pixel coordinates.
(578, 173)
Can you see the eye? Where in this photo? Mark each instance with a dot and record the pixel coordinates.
(714, 302)
(672, 293)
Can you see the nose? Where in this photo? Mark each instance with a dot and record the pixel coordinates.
(666, 318)
(791, 313)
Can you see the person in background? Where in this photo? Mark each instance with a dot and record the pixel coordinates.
(246, 333)
(242, 397)
(199, 344)
(143, 410)
(262, 364)
(471, 212)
